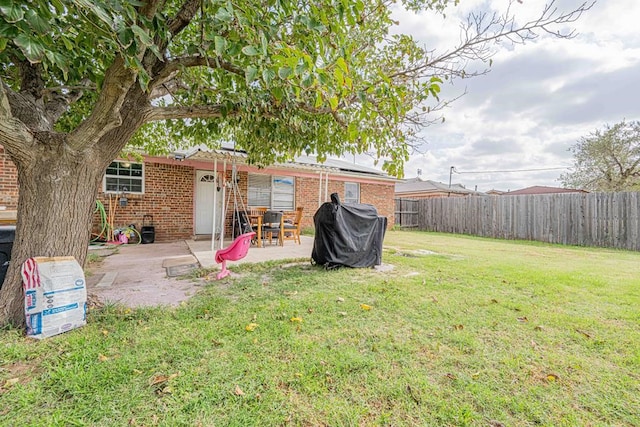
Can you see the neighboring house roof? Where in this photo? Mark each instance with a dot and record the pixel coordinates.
(538, 189)
(495, 192)
(416, 185)
(302, 162)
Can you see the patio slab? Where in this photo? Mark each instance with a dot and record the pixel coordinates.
(135, 275)
(138, 275)
(201, 249)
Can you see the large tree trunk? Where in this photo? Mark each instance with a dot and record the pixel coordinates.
(58, 189)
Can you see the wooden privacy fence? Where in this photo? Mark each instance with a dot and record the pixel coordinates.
(406, 213)
(586, 219)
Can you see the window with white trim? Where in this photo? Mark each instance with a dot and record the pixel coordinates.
(351, 192)
(124, 177)
(271, 191)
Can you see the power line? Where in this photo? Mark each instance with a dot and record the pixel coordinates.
(514, 170)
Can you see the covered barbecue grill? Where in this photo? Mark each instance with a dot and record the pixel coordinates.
(348, 234)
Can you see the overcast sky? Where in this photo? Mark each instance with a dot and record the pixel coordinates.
(538, 99)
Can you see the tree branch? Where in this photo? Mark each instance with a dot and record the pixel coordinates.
(173, 66)
(184, 16)
(31, 82)
(106, 113)
(187, 112)
(14, 135)
(61, 97)
(151, 7)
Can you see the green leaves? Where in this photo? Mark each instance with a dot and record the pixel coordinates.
(32, 49)
(220, 44)
(142, 35)
(284, 72)
(250, 50)
(250, 74)
(12, 12)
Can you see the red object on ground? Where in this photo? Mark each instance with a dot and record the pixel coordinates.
(235, 251)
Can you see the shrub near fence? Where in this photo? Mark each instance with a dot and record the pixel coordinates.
(585, 219)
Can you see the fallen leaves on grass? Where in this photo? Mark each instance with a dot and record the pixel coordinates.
(365, 307)
(251, 327)
(11, 382)
(296, 320)
(458, 327)
(583, 333)
(161, 379)
(552, 378)
(161, 383)
(522, 319)
(102, 358)
(238, 391)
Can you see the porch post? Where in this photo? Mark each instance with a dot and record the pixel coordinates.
(215, 205)
(326, 187)
(224, 202)
(320, 190)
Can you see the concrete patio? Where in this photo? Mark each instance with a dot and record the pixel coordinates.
(139, 275)
(201, 249)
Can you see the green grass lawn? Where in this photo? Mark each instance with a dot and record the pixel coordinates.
(462, 331)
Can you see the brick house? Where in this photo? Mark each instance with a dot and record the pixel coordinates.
(179, 190)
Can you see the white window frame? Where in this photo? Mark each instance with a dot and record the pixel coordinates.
(128, 190)
(273, 192)
(350, 199)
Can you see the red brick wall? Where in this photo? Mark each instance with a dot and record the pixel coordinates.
(168, 196)
(378, 195)
(8, 182)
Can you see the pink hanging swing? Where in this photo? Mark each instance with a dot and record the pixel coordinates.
(235, 251)
(240, 246)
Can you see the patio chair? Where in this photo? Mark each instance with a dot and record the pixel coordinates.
(272, 224)
(292, 227)
(235, 251)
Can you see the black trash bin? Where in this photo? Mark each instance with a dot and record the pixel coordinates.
(147, 231)
(7, 236)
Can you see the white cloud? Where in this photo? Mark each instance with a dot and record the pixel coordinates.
(537, 101)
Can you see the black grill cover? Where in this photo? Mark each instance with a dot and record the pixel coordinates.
(348, 234)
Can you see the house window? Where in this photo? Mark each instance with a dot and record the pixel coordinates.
(351, 192)
(124, 177)
(271, 191)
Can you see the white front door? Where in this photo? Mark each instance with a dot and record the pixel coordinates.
(206, 186)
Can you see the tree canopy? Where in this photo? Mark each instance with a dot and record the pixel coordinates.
(607, 159)
(278, 77)
(80, 79)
